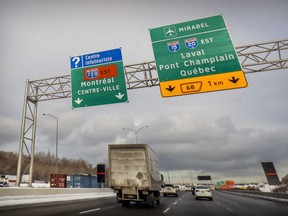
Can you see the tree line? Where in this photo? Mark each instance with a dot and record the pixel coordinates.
(44, 165)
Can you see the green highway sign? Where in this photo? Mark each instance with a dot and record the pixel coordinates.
(196, 56)
(98, 79)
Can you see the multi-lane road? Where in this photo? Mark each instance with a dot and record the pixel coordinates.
(185, 204)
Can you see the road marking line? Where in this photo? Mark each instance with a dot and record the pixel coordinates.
(227, 208)
(166, 210)
(84, 212)
(175, 203)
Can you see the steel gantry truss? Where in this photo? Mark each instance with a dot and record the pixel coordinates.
(253, 58)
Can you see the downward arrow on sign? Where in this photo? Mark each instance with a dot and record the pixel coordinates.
(170, 88)
(119, 96)
(233, 80)
(78, 101)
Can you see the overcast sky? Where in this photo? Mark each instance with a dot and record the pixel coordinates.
(224, 134)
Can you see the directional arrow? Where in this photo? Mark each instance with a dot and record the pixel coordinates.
(119, 96)
(170, 88)
(78, 101)
(233, 80)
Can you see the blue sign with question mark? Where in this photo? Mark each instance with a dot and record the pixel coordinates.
(76, 62)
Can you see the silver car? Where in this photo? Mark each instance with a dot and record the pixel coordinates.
(202, 191)
(169, 189)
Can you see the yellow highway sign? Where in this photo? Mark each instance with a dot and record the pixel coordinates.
(202, 84)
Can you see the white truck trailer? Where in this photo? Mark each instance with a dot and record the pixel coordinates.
(134, 173)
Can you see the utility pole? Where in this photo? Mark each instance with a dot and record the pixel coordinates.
(135, 131)
(56, 118)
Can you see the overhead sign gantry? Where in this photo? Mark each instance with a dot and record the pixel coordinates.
(254, 58)
(196, 56)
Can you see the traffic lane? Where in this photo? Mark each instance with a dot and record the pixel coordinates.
(225, 204)
(183, 205)
(187, 205)
(136, 209)
(70, 208)
(243, 205)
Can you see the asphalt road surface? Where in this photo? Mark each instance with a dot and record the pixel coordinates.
(224, 204)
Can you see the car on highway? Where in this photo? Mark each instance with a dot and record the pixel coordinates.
(169, 189)
(187, 188)
(4, 184)
(202, 191)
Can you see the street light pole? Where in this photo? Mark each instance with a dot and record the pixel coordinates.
(56, 118)
(135, 131)
(166, 156)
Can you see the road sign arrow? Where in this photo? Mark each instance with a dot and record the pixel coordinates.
(170, 88)
(119, 96)
(233, 80)
(78, 101)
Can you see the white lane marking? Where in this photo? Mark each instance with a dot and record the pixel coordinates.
(166, 210)
(225, 207)
(175, 203)
(91, 210)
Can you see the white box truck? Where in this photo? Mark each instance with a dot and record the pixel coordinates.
(134, 173)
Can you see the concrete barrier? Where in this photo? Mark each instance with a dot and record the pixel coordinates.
(276, 197)
(49, 191)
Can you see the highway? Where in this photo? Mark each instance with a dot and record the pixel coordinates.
(185, 204)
